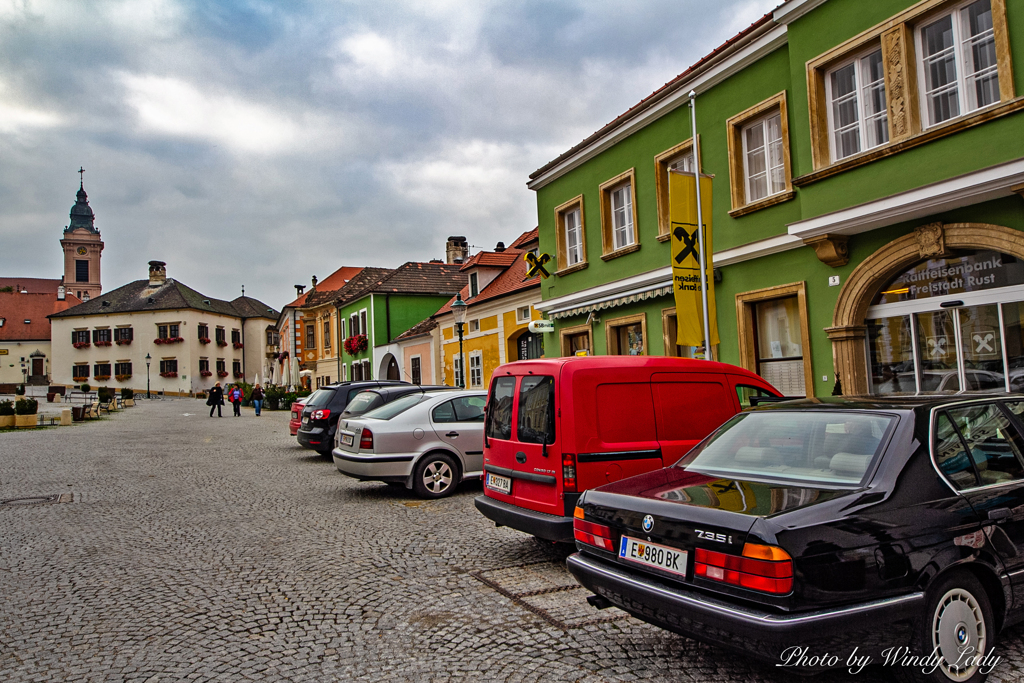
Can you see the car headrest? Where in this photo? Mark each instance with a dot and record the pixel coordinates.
(850, 463)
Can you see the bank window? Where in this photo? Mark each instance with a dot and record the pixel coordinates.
(759, 166)
(677, 159)
(576, 344)
(536, 410)
(670, 326)
(857, 112)
(763, 167)
(618, 214)
(414, 364)
(570, 244)
(530, 346)
(498, 424)
(476, 370)
(779, 345)
(80, 372)
(625, 336)
(959, 70)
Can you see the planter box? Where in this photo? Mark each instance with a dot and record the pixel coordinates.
(50, 397)
(22, 421)
(7, 420)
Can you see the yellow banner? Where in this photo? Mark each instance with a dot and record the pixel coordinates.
(682, 200)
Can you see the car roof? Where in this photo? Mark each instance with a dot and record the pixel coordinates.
(923, 403)
(367, 384)
(400, 389)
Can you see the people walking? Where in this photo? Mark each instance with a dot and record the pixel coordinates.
(235, 395)
(215, 399)
(257, 399)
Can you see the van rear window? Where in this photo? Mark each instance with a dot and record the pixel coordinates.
(499, 411)
(537, 410)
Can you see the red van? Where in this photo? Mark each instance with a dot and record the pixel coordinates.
(557, 427)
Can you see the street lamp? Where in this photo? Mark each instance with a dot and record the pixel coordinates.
(459, 313)
(148, 358)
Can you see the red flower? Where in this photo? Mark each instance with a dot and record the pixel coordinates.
(356, 344)
(81, 345)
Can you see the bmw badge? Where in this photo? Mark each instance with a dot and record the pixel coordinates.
(648, 523)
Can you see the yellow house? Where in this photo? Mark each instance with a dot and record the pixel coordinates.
(500, 303)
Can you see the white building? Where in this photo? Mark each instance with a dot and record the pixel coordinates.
(190, 340)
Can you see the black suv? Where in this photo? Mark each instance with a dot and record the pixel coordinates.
(322, 410)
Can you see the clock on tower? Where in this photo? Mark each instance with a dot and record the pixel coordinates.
(82, 246)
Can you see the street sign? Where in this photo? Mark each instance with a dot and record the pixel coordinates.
(541, 326)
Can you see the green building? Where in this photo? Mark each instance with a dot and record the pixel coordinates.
(868, 164)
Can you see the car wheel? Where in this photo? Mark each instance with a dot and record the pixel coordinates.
(436, 476)
(956, 625)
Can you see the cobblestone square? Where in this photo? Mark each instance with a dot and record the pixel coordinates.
(160, 544)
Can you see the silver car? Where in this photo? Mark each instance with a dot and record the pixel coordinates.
(426, 442)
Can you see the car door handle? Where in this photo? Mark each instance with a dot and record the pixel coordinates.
(452, 434)
(999, 513)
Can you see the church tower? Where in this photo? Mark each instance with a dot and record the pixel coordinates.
(82, 248)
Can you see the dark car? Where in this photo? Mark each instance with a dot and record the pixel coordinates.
(826, 524)
(324, 406)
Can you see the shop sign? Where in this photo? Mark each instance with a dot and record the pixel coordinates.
(971, 272)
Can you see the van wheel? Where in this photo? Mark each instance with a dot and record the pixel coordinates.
(957, 619)
(436, 476)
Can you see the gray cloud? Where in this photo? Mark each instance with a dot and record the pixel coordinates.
(256, 142)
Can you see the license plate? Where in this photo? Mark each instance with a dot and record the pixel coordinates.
(499, 483)
(305, 420)
(653, 555)
(346, 439)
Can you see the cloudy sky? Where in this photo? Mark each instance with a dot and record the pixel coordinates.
(259, 142)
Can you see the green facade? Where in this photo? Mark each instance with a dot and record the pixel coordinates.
(972, 149)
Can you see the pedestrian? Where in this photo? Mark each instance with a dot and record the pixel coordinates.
(236, 399)
(215, 399)
(257, 399)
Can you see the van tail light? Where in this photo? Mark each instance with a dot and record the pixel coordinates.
(569, 472)
(321, 414)
(597, 535)
(366, 441)
(764, 568)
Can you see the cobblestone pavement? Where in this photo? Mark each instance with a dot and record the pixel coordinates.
(185, 548)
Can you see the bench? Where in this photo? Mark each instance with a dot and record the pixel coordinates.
(89, 410)
(103, 405)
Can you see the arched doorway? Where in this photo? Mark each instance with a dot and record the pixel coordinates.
(938, 310)
(389, 368)
(526, 346)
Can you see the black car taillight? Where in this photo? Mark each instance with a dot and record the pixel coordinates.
(764, 568)
(597, 535)
(321, 414)
(569, 472)
(366, 441)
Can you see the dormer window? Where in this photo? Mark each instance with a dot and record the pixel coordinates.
(474, 285)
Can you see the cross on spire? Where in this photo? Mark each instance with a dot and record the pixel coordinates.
(81, 177)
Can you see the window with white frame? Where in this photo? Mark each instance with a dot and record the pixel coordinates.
(474, 325)
(573, 240)
(959, 72)
(523, 314)
(857, 114)
(764, 168)
(476, 370)
(622, 216)
(683, 164)
(474, 285)
(457, 370)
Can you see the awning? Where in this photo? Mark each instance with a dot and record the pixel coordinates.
(620, 299)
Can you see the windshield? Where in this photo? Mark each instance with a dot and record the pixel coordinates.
(320, 397)
(363, 402)
(399, 405)
(807, 446)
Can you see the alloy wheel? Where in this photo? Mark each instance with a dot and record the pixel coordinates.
(958, 634)
(437, 477)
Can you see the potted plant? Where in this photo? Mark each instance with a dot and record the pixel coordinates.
(102, 343)
(19, 390)
(204, 340)
(101, 378)
(122, 378)
(82, 345)
(222, 373)
(25, 412)
(356, 344)
(205, 373)
(85, 387)
(222, 342)
(168, 374)
(50, 396)
(237, 345)
(6, 414)
(127, 395)
(123, 342)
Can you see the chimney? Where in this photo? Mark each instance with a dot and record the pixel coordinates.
(299, 289)
(85, 296)
(457, 249)
(499, 247)
(60, 293)
(157, 273)
(314, 282)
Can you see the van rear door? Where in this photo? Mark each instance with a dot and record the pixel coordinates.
(499, 448)
(537, 462)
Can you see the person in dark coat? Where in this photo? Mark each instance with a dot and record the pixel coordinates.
(215, 399)
(257, 399)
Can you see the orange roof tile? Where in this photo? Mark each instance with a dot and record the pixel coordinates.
(15, 309)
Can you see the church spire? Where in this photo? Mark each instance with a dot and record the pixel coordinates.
(81, 212)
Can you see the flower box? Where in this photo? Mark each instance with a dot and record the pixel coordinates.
(239, 375)
(356, 344)
(82, 345)
(101, 378)
(221, 342)
(168, 374)
(24, 421)
(168, 340)
(103, 343)
(222, 373)
(205, 373)
(123, 342)
(204, 340)
(122, 378)
(237, 345)
(6, 421)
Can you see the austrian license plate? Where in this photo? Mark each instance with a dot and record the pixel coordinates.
(305, 420)
(346, 439)
(653, 555)
(499, 483)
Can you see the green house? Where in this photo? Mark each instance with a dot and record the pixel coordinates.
(868, 164)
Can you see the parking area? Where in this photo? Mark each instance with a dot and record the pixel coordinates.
(160, 544)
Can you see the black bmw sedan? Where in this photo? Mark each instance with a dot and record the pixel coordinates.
(893, 527)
